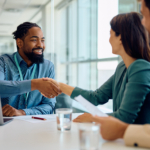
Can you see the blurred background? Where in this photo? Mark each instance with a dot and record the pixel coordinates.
(77, 38)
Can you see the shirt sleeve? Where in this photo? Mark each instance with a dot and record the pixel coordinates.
(136, 90)
(47, 105)
(12, 88)
(100, 96)
(138, 136)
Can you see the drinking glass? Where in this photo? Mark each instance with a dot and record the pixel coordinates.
(89, 135)
(64, 118)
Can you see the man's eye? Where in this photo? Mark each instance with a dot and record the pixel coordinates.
(33, 40)
(43, 40)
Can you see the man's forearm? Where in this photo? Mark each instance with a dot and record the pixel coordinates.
(39, 110)
(12, 88)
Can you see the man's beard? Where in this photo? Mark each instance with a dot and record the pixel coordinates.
(35, 58)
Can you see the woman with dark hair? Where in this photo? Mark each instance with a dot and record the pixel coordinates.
(130, 84)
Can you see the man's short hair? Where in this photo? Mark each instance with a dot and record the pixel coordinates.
(147, 3)
(22, 30)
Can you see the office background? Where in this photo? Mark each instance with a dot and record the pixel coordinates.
(77, 38)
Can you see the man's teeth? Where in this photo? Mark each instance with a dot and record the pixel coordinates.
(38, 50)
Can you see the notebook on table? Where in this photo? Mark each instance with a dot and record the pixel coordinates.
(3, 120)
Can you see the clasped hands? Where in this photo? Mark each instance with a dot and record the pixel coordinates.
(53, 88)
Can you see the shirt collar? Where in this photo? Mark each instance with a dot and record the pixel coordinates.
(20, 59)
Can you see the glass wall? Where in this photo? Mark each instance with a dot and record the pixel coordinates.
(6, 45)
(76, 43)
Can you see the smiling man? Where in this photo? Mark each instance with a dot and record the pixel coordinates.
(21, 74)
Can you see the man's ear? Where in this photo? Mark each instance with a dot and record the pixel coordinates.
(19, 43)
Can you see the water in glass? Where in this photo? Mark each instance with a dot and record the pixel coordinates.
(64, 118)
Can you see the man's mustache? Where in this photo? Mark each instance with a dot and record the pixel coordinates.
(37, 49)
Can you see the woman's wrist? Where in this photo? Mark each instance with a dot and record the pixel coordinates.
(66, 89)
(60, 86)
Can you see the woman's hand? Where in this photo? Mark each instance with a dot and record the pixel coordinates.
(111, 128)
(86, 117)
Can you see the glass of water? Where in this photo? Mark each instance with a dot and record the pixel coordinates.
(64, 118)
(89, 135)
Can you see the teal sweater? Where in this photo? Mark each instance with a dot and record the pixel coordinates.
(129, 90)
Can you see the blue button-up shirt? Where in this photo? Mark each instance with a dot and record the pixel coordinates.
(12, 88)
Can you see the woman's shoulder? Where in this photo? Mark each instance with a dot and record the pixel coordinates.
(139, 64)
(140, 69)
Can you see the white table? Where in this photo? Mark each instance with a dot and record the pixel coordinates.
(23, 135)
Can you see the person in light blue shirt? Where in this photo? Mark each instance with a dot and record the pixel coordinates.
(21, 75)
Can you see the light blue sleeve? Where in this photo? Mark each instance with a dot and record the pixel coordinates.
(12, 88)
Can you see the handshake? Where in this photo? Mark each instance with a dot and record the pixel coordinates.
(47, 86)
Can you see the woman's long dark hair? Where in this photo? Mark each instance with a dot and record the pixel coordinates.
(134, 36)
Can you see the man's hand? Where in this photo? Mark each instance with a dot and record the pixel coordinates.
(10, 111)
(46, 87)
(86, 117)
(66, 89)
(54, 83)
(111, 128)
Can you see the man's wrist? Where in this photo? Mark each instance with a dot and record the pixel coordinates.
(22, 112)
(34, 84)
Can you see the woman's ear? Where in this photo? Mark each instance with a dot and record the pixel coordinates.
(19, 43)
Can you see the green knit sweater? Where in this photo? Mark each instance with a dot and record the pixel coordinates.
(128, 88)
